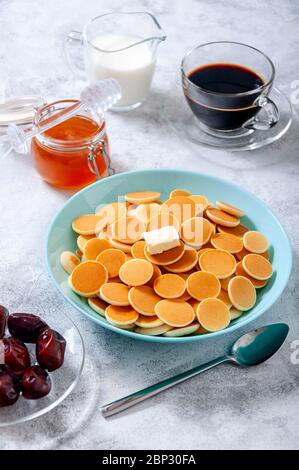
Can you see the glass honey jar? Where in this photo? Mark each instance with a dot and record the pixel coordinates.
(75, 152)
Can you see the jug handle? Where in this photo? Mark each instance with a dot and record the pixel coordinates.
(73, 41)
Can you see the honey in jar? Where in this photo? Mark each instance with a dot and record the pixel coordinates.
(75, 152)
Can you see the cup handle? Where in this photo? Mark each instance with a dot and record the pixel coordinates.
(73, 41)
(271, 118)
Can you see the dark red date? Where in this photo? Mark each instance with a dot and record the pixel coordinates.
(9, 387)
(50, 349)
(16, 355)
(35, 383)
(3, 320)
(25, 326)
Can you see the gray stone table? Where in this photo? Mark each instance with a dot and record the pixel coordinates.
(224, 408)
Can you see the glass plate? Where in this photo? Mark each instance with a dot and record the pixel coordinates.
(63, 380)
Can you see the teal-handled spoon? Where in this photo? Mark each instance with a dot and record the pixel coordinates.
(251, 349)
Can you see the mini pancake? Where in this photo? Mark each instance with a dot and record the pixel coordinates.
(145, 212)
(213, 314)
(179, 192)
(115, 293)
(112, 259)
(137, 249)
(136, 272)
(167, 257)
(121, 316)
(110, 213)
(235, 313)
(202, 285)
(88, 277)
(187, 262)
(120, 246)
(238, 231)
(169, 286)
(79, 253)
(182, 207)
(222, 218)
(242, 293)
(82, 240)
(144, 299)
(257, 267)
(186, 296)
(157, 331)
(148, 322)
(164, 219)
(203, 250)
(69, 261)
(224, 282)
(240, 271)
(196, 231)
(175, 312)
(194, 304)
(94, 247)
(224, 206)
(157, 272)
(127, 230)
(98, 305)
(141, 197)
(255, 242)
(219, 262)
(85, 224)
(201, 203)
(245, 252)
(225, 298)
(227, 242)
(184, 331)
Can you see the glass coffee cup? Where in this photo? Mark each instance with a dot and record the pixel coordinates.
(226, 85)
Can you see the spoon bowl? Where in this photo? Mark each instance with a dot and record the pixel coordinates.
(258, 345)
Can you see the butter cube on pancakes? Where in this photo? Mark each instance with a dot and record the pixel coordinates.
(242, 293)
(224, 206)
(93, 247)
(184, 331)
(144, 299)
(213, 314)
(98, 305)
(112, 259)
(201, 285)
(227, 242)
(148, 322)
(255, 242)
(162, 239)
(115, 293)
(219, 262)
(142, 197)
(196, 231)
(136, 272)
(187, 262)
(87, 278)
(167, 257)
(181, 207)
(175, 313)
(69, 261)
(257, 267)
(121, 316)
(222, 218)
(240, 271)
(127, 230)
(86, 224)
(169, 286)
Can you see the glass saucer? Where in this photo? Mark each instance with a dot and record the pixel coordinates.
(177, 112)
(63, 380)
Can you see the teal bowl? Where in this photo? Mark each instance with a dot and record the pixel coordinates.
(259, 217)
